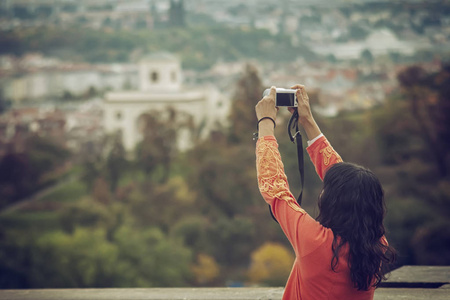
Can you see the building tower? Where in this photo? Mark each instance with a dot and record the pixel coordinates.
(160, 87)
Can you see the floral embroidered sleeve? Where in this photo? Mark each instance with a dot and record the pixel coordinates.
(274, 188)
(304, 233)
(323, 155)
(272, 180)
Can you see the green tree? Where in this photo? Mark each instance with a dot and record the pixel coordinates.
(104, 159)
(159, 146)
(85, 259)
(224, 176)
(231, 240)
(413, 141)
(192, 230)
(429, 107)
(45, 154)
(26, 171)
(161, 204)
(15, 177)
(85, 213)
(154, 259)
(177, 13)
(243, 120)
(116, 162)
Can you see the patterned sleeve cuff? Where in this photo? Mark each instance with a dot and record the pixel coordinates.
(268, 138)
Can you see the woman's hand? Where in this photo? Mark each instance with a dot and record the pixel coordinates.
(305, 117)
(266, 108)
(304, 109)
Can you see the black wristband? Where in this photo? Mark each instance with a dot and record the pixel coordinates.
(274, 124)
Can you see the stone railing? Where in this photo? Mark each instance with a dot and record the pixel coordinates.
(409, 282)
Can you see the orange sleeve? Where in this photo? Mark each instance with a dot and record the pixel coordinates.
(323, 155)
(303, 232)
(272, 180)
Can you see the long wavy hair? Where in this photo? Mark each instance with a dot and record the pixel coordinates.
(352, 206)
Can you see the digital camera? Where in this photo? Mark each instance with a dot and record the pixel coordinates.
(284, 97)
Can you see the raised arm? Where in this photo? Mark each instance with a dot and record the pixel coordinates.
(322, 155)
(320, 151)
(274, 188)
(302, 231)
(272, 180)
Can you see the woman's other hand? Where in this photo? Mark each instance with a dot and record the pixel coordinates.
(305, 117)
(304, 109)
(266, 108)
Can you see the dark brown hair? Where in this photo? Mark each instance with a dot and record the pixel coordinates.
(352, 206)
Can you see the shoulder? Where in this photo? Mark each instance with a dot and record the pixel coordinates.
(313, 235)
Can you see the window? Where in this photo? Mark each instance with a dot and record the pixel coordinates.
(154, 76)
(174, 76)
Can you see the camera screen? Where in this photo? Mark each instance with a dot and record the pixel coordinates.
(285, 99)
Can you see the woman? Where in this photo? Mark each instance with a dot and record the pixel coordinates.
(339, 255)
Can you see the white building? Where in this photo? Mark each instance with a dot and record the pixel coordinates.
(48, 83)
(160, 87)
(380, 42)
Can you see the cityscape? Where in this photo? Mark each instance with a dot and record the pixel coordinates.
(91, 84)
(357, 50)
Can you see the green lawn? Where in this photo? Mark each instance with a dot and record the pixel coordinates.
(69, 192)
(31, 221)
(44, 214)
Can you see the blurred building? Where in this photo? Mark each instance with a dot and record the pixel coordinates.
(17, 124)
(38, 78)
(160, 88)
(380, 42)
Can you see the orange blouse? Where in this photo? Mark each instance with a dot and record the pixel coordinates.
(311, 276)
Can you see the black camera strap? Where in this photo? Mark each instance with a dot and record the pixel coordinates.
(297, 139)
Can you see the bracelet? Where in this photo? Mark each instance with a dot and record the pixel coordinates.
(255, 134)
(274, 124)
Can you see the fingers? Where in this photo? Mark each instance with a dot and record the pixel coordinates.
(291, 110)
(273, 92)
(266, 106)
(301, 91)
(300, 87)
(272, 95)
(297, 86)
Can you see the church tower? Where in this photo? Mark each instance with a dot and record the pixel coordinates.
(160, 87)
(160, 72)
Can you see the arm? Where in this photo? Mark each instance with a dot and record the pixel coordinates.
(321, 153)
(272, 180)
(306, 119)
(274, 188)
(304, 233)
